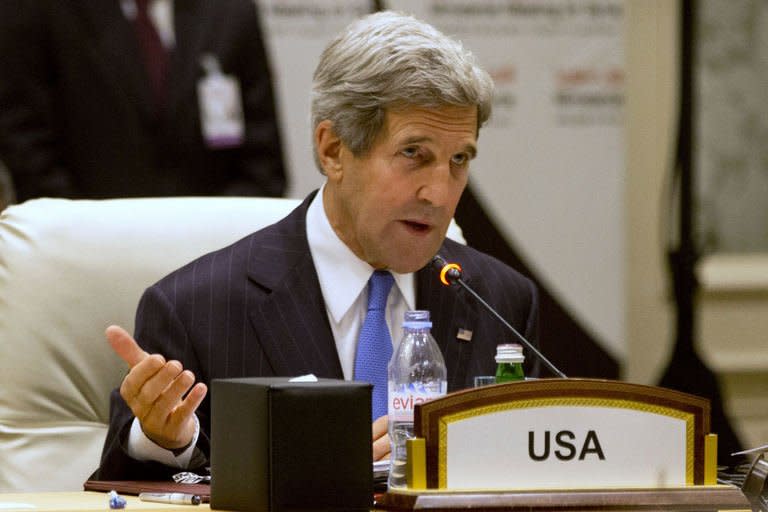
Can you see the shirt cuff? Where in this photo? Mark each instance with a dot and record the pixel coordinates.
(140, 447)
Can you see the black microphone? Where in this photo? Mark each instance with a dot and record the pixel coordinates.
(451, 273)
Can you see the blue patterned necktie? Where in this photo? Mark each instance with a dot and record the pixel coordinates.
(374, 345)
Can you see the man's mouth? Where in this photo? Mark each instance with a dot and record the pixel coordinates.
(418, 227)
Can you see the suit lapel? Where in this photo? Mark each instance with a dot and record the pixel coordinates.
(116, 52)
(291, 321)
(451, 309)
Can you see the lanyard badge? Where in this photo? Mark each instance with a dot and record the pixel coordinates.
(221, 106)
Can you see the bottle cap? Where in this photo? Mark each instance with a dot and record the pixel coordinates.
(509, 353)
(417, 325)
(417, 319)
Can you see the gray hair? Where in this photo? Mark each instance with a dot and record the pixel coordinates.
(390, 60)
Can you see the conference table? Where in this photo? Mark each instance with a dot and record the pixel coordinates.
(657, 500)
(82, 501)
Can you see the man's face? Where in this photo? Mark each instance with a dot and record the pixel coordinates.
(392, 206)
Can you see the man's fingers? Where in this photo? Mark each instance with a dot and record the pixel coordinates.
(154, 384)
(183, 413)
(125, 346)
(169, 421)
(381, 446)
(140, 387)
(172, 395)
(179, 429)
(192, 401)
(379, 427)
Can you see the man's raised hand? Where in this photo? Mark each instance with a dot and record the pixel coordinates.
(154, 389)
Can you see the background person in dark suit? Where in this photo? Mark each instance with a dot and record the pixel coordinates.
(396, 108)
(99, 98)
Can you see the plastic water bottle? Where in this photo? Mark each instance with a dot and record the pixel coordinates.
(509, 363)
(416, 374)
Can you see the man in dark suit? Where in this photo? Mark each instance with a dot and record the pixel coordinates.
(397, 108)
(102, 98)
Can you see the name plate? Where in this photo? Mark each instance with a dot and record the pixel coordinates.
(564, 433)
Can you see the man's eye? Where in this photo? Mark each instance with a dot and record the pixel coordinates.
(460, 159)
(410, 152)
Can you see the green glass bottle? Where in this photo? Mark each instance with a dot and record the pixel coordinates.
(509, 363)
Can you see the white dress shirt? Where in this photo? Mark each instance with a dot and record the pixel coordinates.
(343, 282)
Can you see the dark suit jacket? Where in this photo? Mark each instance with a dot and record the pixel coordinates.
(76, 114)
(255, 309)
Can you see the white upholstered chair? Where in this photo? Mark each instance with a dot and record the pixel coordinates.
(68, 269)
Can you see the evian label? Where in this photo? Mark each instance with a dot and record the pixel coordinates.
(403, 400)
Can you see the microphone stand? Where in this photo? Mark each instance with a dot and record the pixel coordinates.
(454, 276)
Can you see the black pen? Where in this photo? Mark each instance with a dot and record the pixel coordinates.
(175, 498)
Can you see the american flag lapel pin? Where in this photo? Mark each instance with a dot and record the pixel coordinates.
(464, 334)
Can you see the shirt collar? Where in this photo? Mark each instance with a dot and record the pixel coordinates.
(342, 275)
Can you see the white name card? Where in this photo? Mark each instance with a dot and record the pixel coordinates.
(550, 446)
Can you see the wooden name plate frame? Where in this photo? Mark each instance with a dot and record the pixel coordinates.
(687, 499)
(565, 433)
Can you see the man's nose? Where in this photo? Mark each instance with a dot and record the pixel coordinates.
(439, 186)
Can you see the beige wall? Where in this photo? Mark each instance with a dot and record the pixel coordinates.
(651, 124)
(733, 313)
(734, 337)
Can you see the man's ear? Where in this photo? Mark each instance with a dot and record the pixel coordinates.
(328, 146)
